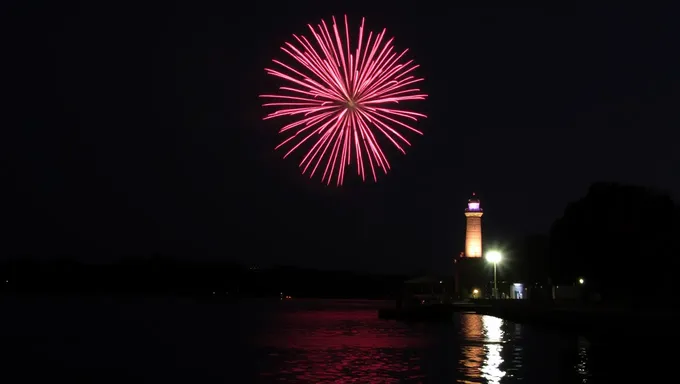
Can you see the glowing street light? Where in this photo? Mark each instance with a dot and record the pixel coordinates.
(581, 281)
(494, 257)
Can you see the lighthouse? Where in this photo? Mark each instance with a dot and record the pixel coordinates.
(473, 233)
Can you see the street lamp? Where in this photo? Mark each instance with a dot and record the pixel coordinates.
(581, 281)
(494, 257)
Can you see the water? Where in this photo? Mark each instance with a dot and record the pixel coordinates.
(347, 343)
(183, 340)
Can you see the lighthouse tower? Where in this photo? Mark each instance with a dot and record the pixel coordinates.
(473, 234)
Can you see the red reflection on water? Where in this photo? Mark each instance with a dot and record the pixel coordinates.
(327, 329)
(342, 347)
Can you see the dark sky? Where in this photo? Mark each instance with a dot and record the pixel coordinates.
(137, 130)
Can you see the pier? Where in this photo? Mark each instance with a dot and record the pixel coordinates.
(594, 321)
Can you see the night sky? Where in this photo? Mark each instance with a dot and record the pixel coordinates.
(139, 130)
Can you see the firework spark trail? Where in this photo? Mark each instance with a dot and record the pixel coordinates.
(341, 100)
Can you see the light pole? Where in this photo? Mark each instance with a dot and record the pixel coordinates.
(494, 257)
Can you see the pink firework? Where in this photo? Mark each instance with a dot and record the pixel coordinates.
(343, 100)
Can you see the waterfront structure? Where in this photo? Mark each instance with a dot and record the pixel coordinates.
(470, 271)
(473, 232)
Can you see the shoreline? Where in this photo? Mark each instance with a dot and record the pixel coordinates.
(590, 321)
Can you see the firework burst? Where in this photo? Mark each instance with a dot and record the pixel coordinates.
(343, 98)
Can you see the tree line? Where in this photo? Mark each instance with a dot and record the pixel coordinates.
(622, 240)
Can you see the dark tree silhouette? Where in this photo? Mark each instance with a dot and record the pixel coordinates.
(530, 259)
(158, 275)
(621, 239)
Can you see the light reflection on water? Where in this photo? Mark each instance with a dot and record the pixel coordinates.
(353, 346)
(182, 340)
(326, 346)
(494, 338)
(482, 361)
(582, 363)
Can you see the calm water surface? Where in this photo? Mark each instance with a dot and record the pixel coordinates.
(193, 341)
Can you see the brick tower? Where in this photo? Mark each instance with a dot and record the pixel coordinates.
(473, 233)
